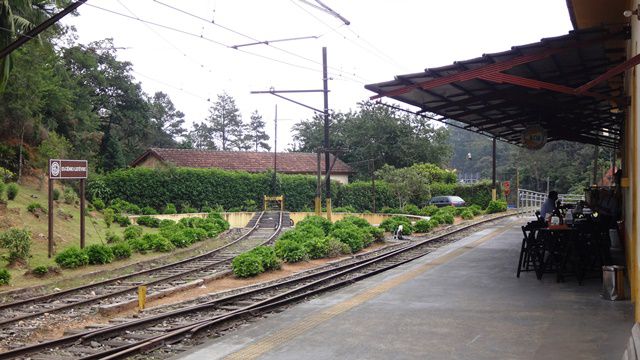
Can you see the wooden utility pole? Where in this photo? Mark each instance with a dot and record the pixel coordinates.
(494, 194)
(327, 164)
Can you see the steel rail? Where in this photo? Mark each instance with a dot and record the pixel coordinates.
(124, 277)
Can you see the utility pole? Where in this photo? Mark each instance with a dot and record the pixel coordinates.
(275, 152)
(318, 199)
(372, 169)
(494, 194)
(327, 162)
(596, 151)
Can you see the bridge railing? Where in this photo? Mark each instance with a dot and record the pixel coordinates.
(530, 201)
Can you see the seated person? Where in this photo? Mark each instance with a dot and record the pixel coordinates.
(549, 205)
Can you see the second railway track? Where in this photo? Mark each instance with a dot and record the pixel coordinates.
(14, 316)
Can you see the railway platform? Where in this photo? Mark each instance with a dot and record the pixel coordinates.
(462, 301)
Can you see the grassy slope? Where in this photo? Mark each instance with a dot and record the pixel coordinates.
(66, 232)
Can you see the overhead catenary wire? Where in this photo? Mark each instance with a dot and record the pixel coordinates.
(199, 36)
(258, 41)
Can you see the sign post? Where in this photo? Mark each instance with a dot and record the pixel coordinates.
(60, 169)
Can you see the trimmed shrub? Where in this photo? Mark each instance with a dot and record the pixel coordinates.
(123, 220)
(177, 238)
(112, 238)
(411, 209)
(317, 221)
(345, 209)
(166, 223)
(109, 216)
(149, 221)
(70, 196)
(34, 207)
(140, 245)
(157, 242)
(317, 248)
(467, 215)
(350, 235)
(170, 209)
(422, 226)
(247, 265)
(5, 277)
(496, 206)
(336, 248)
(56, 194)
(433, 223)
(18, 244)
(448, 218)
(2, 188)
(12, 191)
(290, 251)
(40, 271)
(98, 204)
(72, 257)
(194, 234)
(377, 233)
(148, 210)
(132, 232)
(267, 255)
(121, 250)
(475, 209)
(429, 210)
(99, 254)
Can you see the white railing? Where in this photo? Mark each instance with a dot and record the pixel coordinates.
(529, 201)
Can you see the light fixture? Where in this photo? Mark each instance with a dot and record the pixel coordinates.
(629, 13)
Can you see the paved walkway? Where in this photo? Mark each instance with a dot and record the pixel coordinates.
(461, 302)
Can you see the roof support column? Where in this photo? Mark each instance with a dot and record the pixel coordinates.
(493, 173)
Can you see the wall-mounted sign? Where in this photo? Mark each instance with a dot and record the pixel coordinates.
(534, 137)
(68, 169)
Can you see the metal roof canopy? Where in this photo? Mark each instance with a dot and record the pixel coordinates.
(571, 85)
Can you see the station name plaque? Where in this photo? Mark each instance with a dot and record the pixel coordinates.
(68, 169)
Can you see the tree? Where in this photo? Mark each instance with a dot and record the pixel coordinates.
(226, 123)
(166, 121)
(201, 137)
(256, 136)
(111, 150)
(406, 184)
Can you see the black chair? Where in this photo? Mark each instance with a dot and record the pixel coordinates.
(531, 251)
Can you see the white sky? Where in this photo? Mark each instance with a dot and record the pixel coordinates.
(385, 38)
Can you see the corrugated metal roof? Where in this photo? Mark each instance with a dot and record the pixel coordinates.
(481, 94)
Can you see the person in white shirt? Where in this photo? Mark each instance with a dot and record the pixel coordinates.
(398, 234)
(549, 205)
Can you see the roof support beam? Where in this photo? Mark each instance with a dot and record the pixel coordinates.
(609, 74)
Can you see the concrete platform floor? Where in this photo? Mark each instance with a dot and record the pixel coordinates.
(461, 302)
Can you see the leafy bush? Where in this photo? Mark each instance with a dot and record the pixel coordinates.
(141, 245)
(267, 255)
(123, 220)
(359, 222)
(34, 207)
(112, 238)
(336, 248)
(121, 206)
(72, 258)
(411, 209)
(40, 271)
(290, 250)
(132, 232)
(247, 265)
(170, 209)
(12, 191)
(98, 203)
(429, 210)
(5, 277)
(433, 223)
(2, 187)
(148, 210)
(448, 218)
(56, 194)
(317, 221)
(194, 234)
(165, 223)
(109, 216)
(70, 196)
(99, 254)
(17, 242)
(422, 226)
(249, 205)
(467, 215)
(121, 250)
(391, 224)
(496, 206)
(350, 235)
(178, 238)
(438, 219)
(148, 221)
(317, 248)
(475, 209)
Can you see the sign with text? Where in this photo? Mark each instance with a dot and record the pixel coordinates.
(534, 137)
(60, 169)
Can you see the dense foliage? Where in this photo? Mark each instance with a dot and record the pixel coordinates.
(18, 244)
(5, 277)
(72, 257)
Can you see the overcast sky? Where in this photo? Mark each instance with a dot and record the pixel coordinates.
(194, 60)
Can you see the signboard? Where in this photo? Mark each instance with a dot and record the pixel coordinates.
(60, 169)
(506, 187)
(534, 137)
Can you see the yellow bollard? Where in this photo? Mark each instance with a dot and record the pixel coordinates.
(493, 194)
(142, 297)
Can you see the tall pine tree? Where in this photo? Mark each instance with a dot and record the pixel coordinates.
(226, 123)
(256, 137)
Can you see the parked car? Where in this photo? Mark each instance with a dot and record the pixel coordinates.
(441, 201)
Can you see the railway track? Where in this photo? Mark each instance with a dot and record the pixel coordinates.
(172, 326)
(14, 315)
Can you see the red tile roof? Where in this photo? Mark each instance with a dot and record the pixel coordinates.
(288, 162)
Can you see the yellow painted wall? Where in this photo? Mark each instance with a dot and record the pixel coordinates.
(235, 219)
(373, 219)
